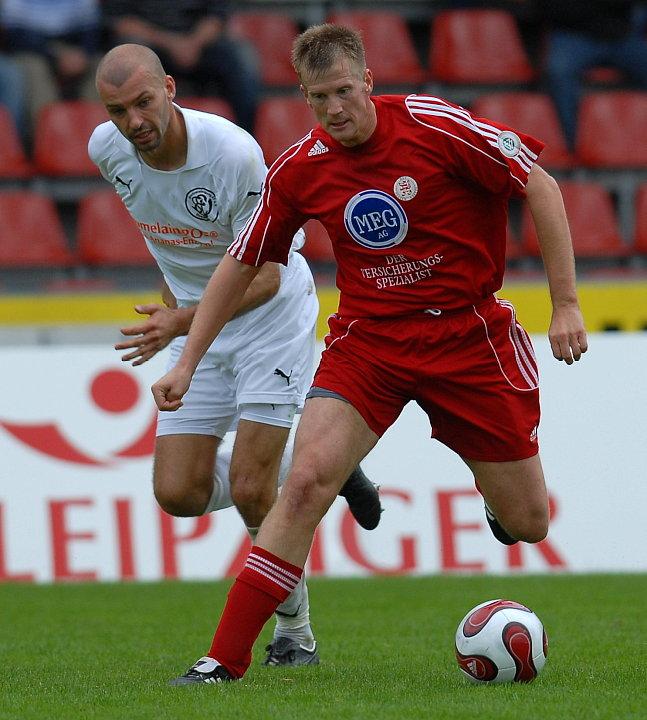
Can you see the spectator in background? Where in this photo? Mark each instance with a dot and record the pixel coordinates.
(12, 90)
(590, 33)
(56, 44)
(191, 40)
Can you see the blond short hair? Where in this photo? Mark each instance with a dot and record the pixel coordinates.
(317, 49)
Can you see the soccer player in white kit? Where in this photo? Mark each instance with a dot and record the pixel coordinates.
(191, 180)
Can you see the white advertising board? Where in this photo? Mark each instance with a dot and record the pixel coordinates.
(76, 436)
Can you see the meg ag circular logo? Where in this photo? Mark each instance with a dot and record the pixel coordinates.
(375, 220)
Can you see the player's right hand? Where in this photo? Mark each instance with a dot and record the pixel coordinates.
(169, 390)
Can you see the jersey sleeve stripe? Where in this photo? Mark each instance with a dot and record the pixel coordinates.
(462, 140)
(490, 133)
(239, 246)
(422, 102)
(489, 136)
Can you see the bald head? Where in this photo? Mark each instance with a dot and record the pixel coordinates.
(118, 65)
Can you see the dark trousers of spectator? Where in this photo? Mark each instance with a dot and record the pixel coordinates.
(228, 68)
(570, 55)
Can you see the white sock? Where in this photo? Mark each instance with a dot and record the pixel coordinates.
(293, 616)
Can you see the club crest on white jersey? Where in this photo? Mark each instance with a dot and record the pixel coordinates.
(375, 220)
(201, 203)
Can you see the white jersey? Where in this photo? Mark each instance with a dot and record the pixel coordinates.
(189, 216)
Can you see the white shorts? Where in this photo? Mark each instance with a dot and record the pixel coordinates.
(264, 357)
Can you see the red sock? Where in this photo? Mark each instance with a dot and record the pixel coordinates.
(263, 584)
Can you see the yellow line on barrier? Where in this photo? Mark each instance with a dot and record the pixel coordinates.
(606, 306)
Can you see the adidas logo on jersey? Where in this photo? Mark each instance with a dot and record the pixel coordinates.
(317, 149)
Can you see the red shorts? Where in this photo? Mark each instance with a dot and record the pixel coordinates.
(473, 372)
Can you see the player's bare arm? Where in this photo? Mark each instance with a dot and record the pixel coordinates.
(168, 321)
(222, 297)
(566, 334)
(262, 288)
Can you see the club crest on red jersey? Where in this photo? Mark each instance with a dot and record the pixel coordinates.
(375, 220)
(509, 143)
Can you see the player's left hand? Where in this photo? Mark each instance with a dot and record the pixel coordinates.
(567, 334)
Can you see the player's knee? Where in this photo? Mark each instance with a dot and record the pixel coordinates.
(306, 495)
(253, 499)
(180, 501)
(531, 527)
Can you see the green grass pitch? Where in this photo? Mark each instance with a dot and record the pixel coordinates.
(107, 651)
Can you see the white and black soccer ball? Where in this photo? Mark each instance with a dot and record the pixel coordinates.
(501, 641)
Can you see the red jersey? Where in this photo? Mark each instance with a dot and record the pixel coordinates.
(417, 214)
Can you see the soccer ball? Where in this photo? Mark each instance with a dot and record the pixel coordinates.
(501, 641)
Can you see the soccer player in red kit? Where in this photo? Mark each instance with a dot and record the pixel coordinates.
(413, 192)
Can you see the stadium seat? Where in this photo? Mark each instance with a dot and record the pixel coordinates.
(479, 47)
(390, 52)
(592, 219)
(604, 76)
(214, 105)
(271, 34)
(318, 247)
(532, 113)
(281, 121)
(513, 249)
(106, 233)
(61, 138)
(13, 161)
(640, 242)
(611, 130)
(31, 233)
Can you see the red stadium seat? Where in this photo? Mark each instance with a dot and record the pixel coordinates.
(532, 113)
(61, 138)
(592, 219)
(31, 233)
(390, 52)
(281, 121)
(318, 247)
(640, 243)
(611, 130)
(107, 234)
(214, 105)
(478, 46)
(604, 76)
(13, 162)
(271, 34)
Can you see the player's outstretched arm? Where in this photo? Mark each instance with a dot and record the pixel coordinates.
(165, 322)
(566, 334)
(221, 299)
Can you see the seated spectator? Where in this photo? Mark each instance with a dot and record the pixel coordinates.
(56, 48)
(191, 40)
(12, 90)
(590, 33)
